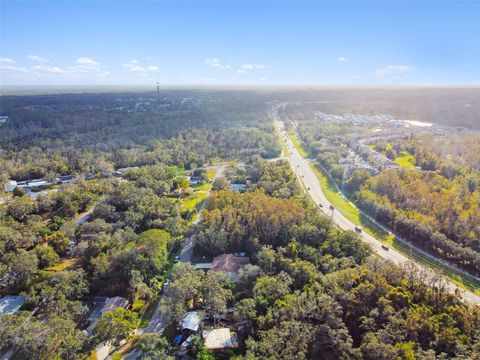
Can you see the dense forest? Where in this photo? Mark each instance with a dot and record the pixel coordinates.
(46, 136)
(433, 202)
(448, 106)
(312, 291)
(309, 289)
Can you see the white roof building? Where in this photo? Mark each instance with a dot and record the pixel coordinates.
(191, 321)
(219, 339)
(10, 304)
(10, 185)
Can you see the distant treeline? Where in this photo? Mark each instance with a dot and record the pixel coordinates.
(47, 135)
(448, 106)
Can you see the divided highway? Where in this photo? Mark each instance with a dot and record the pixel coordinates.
(312, 185)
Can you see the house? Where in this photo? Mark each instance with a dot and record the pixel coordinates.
(381, 162)
(102, 305)
(219, 339)
(34, 183)
(66, 179)
(120, 171)
(10, 185)
(230, 264)
(10, 304)
(194, 180)
(345, 161)
(238, 187)
(190, 321)
(203, 266)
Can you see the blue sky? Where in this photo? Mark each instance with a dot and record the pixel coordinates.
(248, 42)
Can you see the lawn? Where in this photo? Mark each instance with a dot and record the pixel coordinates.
(203, 187)
(352, 213)
(282, 144)
(193, 201)
(406, 160)
(211, 173)
(301, 147)
(64, 265)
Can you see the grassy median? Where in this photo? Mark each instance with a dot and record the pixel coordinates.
(352, 213)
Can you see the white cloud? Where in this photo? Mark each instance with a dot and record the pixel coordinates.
(84, 61)
(253, 66)
(393, 70)
(341, 59)
(47, 69)
(8, 65)
(214, 62)
(7, 61)
(38, 58)
(12, 68)
(134, 65)
(241, 71)
(85, 66)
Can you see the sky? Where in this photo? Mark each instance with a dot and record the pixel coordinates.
(243, 43)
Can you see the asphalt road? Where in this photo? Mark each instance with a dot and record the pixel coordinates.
(301, 167)
(187, 249)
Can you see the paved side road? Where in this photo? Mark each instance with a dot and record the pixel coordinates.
(187, 249)
(159, 320)
(302, 168)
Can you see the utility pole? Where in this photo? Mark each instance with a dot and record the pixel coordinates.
(158, 99)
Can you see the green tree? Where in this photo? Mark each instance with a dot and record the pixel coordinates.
(184, 290)
(268, 289)
(154, 347)
(152, 251)
(220, 183)
(59, 241)
(215, 294)
(20, 265)
(46, 255)
(20, 207)
(54, 337)
(115, 326)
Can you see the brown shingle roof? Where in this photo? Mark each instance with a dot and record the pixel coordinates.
(229, 262)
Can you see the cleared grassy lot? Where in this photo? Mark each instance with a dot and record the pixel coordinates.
(352, 213)
(65, 265)
(406, 160)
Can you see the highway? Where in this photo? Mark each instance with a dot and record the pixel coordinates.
(312, 186)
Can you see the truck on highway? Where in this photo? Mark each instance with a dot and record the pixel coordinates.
(358, 229)
(385, 247)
